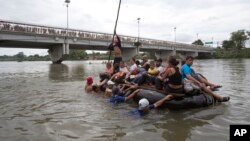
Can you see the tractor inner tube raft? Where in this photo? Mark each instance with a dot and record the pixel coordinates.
(194, 101)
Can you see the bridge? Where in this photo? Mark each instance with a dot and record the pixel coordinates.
(58, 41)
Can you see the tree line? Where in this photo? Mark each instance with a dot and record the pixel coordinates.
(73, 55)
(234, 47)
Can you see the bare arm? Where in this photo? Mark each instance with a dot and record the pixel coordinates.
(189, 77)
(167, 73)
(132, 95)
(161, 101)
(103, 82)
(132, 87)
(113, 76)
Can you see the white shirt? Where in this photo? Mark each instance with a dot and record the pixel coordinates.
(160, 69)
(133, 67)
(124, 69)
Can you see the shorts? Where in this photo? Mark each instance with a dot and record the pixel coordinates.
(191, 88)
(117, 60)
(196, 76)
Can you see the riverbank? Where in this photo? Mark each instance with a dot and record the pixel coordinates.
(229, 54)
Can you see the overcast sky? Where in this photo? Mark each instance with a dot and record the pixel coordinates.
(209, 18)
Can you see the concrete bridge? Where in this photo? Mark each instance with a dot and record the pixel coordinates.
(58, 41)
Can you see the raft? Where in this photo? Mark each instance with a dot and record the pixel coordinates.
(193, 101)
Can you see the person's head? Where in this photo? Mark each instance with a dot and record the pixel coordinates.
(137, 62)
(147, 66)
(122, 64)
(108, 65)
(143, 105)
(152, 64)
(158, 62)
(89, 80)
(172, 61)
(189, 60)
(110, 84)
(132, 60)
(144, 58)
(117, 40)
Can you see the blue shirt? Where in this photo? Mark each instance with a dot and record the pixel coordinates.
(185, 69)
(136, 113)
(139, 113)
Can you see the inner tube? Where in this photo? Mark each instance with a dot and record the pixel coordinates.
(194, 101)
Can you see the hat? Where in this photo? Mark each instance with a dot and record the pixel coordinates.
(89, 80)
(143, 103)
(110, 82)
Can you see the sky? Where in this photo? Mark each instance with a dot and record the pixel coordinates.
(206, 19)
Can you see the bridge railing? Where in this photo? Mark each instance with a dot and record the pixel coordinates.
(23, 28)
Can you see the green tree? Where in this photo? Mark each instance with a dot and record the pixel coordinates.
(248, 33)
(198, 42)
(75, 54)
(228, 44)
(238, 38)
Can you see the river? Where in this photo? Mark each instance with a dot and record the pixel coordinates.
(40, 101)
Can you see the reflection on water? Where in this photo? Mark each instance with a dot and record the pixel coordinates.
(58, 71)
(62, 72)
(182, 124)
(237, 70)
(44, 101)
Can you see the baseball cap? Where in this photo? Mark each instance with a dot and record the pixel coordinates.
(143, 103)
(89, 80)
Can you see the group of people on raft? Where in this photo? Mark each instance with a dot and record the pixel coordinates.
(121, 83)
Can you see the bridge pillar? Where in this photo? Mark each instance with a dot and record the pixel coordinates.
(56, 53)
(129, 53)
(164, 54)
(66, 47)
(196, 54)
(174, 52)
(181, 55)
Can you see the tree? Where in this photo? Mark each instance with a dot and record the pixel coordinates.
(248, 33)
(75, 54)
(238, 38)
(198, 42)
(227, 44)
